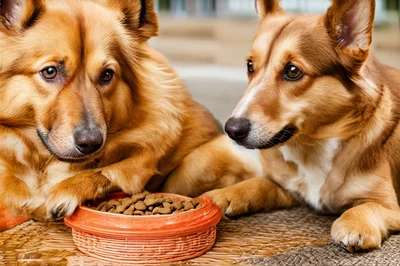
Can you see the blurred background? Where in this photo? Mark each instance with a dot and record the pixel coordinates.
(207, 42)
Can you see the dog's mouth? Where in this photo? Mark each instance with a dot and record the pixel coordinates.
(281, 137)
(70, 157)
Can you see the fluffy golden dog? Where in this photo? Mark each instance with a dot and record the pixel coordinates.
(87, 107)
(324, 115)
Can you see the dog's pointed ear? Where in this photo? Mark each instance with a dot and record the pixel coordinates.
(19, 14)
(139, 16)
(266, 7)
(350, 24)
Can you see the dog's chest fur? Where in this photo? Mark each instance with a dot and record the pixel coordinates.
(313, 166)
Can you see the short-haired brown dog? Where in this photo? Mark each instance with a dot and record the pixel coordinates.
(325, 114)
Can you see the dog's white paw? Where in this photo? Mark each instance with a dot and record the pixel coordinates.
(229, 202)
(58, 206)
(356, 234)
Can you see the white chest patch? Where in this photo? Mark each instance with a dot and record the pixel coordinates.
(251, 157)
(314, 164)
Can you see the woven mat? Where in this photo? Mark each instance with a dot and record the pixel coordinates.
(288, 237)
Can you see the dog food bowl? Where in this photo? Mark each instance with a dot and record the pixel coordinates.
(148, 239)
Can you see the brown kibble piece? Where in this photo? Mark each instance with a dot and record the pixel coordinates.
(150, 208)
(130, 210)
(160, 200)
(156, 210)
(104, 209)
(195, 202)
(164, 211)
(168, 199)
(177, 205)
(114, 202)
(121, 208)
(161, 210)
(167, 205)
(140, 206)
(101, 205)
(142, 195)
(187, 205)
(151, 196)
(138, 213)
(149, 201)
(138, 197)
(128, 201)
(148, 213)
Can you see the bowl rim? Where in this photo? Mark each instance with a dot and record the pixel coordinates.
(89, 209)
(86, 219)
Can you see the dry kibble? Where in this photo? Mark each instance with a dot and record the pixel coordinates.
(164, 211)
(147, 204)
(128, 201)
(140, 206)
(195, 202)
(140, 196)
(187, 205)
(114, 202)
(156, 210)
(149, 201)
(169, 200)
(121, 208)
(177, 205)
(167, 205)
(102, 205)
(130, 210)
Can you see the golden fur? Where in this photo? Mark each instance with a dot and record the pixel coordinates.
(148, 122)
(332, 130)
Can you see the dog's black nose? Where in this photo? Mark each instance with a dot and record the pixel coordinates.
(87, 140)
(238, 128)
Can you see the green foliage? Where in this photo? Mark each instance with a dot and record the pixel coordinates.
(164, 5)
(392, 4)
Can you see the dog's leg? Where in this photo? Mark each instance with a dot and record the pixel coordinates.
(210, 166)
(131, 175)
(71, 192)
(14, 194)
(365, 226)
(250, 196)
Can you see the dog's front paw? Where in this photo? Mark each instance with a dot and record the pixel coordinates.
(356, 234)
(59, 205)
(228, 202)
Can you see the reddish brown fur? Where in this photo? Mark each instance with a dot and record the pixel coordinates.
(344, 156)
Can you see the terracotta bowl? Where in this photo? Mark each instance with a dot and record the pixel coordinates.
(153, 239)
(7, 220)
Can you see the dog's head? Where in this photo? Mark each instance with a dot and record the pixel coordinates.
(306, 74)
(67, 68)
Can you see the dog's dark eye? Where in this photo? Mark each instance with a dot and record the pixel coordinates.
(106, 76)
(250, 67)
(49, 73)
(293, 73)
